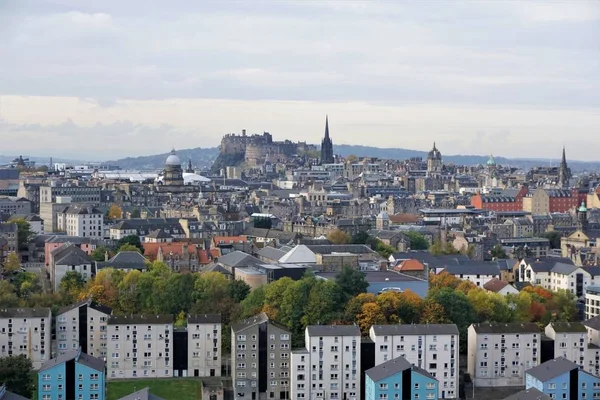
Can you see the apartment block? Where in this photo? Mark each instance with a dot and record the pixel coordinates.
(570, 341)
(204, 345)
(72, 375)
(399, 379)
(83, 325)
(592, 301)
(563, 379)
(329, 366)
(432, 347)
(139, 346)
(499, 354)
(26, 331)
(260, 359)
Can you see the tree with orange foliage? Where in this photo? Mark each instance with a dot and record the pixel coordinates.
(443, 280)
(539, 291)
(433, 313)
(537, 311)
(389, 302)
(410, 306)
(271, 311)
(370, 314)
(354, 306)
(466, 286)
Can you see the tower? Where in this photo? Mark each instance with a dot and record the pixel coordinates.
(582, 216)
(326, 145)
(564, 172)
(190, 169)
(434, 162)
(173, 173)
(382, 222)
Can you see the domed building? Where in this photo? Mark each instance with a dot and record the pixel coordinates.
(173, 173)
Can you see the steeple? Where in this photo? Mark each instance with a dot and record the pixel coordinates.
(564, 173)
(326, 145)
(326, 126)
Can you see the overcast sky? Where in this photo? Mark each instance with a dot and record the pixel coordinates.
(111, 78)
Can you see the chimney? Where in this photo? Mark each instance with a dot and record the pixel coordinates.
(106, 255)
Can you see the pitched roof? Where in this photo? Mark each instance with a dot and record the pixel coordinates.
(499, 328)
(204, 319)
(81, 209)
(40, 312)
(388, 369)
(568, 327)
(333, 330)
(552, 368)
(125, 260)
(410, 265)
(415, 329)
(495, 285)
(563, 269)
(529, 394)
(593, 323)
(143, 394)
(69, 254)
(6, 395)
(341, 248)
(473, 268)
(89, 303)
(248, 322)
(228, 240)
(301, 254)
(239, 259)
(82, 358)
(140, 319)
(177, 248)
(270, 253)
(159, 234)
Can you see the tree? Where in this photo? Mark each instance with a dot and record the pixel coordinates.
(370, 314)
(136, 213)
(131, 239)
(457, 309)
(26, 284)
(254, 302)
(352, 158)
(129, 293)
(338, 237)
(24, 233)
(238, 290)
(433, 313)
(8, 298)
(384, 250)
(17, 373)
(351, 281)
(128, 247)
(274, 294)
(354, 306)
(210, 288)
(443, 280)
(554, 238)
(439, 249)
(295, 300)
(13, 263)
(71, 286)
(410, 307)
(498, 252)
(363, 237)
(324, 303)
(389, 303)
(114, 212)
(181, 320)
(99, 253)
(417, 241)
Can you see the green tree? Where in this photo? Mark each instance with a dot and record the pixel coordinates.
(254, 302)
(295, 300)
(351, 281)
(181, 320)
(8, 297)
(417, 241)
(410, 307)
(13, 263)
(17, 373)
(99, 253)
(211, 289)
(24, 233)
(71, 286)
(324, 303)
(554, 238)
(338, 237)
(128, 247)
(177, 293)
(133, 240)
(274, 294)
(384, 250)
(238, 290)
(26, 284)
(136, 213)
(457, 309)
(498, 252)
(129, 293)
(363, 237)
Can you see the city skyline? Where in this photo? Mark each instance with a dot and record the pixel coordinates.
(513, 79)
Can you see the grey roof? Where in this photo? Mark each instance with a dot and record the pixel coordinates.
(125, 260)
(340, 248)
(385, 234)
(282, 236)
(143, 394)
(159, 234)
(388, 369)
(89, 303)
(33, 218)
(40, 312)
(141, 319)
(473, 268)
(255, 320)
(593, 323)
(416, 329)
(499, 328)
(11, 396)
(529, 394)
(84, 359)
(568, 327)
(271, 253)
(70, 254)
(204, 319)
(238, 259)
(333, 330)
(564, 269)
(552, 369)
(81, 209)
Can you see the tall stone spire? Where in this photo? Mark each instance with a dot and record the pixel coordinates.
(326, 145)
(564, 173)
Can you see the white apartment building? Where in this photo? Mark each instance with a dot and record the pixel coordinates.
(498, 354)
(26, 331)
(329, 368)
(83, 325)
(433, 347)
(478, 273)
(570, 341)
(260, 359)
(572, 278)
(139, 346)
(69, 257)
(593, 345)
(592, 301)
(204, 345)
(81, 220)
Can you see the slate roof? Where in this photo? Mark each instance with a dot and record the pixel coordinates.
(81, 209)
(500, 328)
(159, 234)
(593, 323)
(204, 319)
(125, 260)
(473, 268)
(248, 322)
(89, 303)
(239, 259)
(552, 368)
(84, 359)
(11, 396)
(388, 369)
(333, 330)
(568, 327)
(415, 329)
(300, 254)
(70, 254)
(140, 319)
(529, 394)
(40, 312)
(341, 248)
(143, 394)
(563, 269)
(546, 264)
(282, 236)
(271, 253)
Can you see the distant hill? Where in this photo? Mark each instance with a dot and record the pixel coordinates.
(201, 158)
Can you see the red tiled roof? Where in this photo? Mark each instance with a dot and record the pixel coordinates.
(410, 265)
(151, 251)
(495, 285)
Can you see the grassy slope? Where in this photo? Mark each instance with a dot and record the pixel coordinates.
(168, 389)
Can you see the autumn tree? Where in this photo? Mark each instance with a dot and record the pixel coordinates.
(71, 287)
(338, 237)
(8, 297)
(443, 280)
(466, 286)
(351, 281)
(433, 313)
(370, 314)
(354, 306)
(410, 307)
(17, 373)
(181, 320)
(12, 263)
(114, 212)
(389, 302)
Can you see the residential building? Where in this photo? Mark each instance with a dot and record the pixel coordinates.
(143, 394)
(329, 368)
(260, 358)
(529, 394)
(78, 194)
(498, 354)
(125, 261)
(562, 379)
(503, 288)
(570, 341)
(26, 331)
(573, 278)
(139, 346)
(6, 395)
(14, 206)
(36, 224)
(9, 231)
(83, 325)
(204, 345)
(593, 345)
(67, 258)
(592, 301)
(399, 379)
(433, 347)
(81, 220)
(477, 272)
(73, 375)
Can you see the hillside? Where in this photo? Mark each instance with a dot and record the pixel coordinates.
(201, 158)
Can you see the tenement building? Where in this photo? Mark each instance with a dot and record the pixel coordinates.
(260, 359)
(204, 345)
(329, 366)
(139, 346)
(26, 331)
(83, 325)
(432, 347)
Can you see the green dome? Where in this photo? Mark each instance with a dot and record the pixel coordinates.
(583, 208)
(491, 160)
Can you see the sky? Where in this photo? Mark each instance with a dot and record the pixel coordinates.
(104, 79)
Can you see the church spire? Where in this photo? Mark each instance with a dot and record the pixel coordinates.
(564, 173)
(327, 145)
(327, 126)
(564, 157)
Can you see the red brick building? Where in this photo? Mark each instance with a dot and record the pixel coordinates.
(509, 200)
